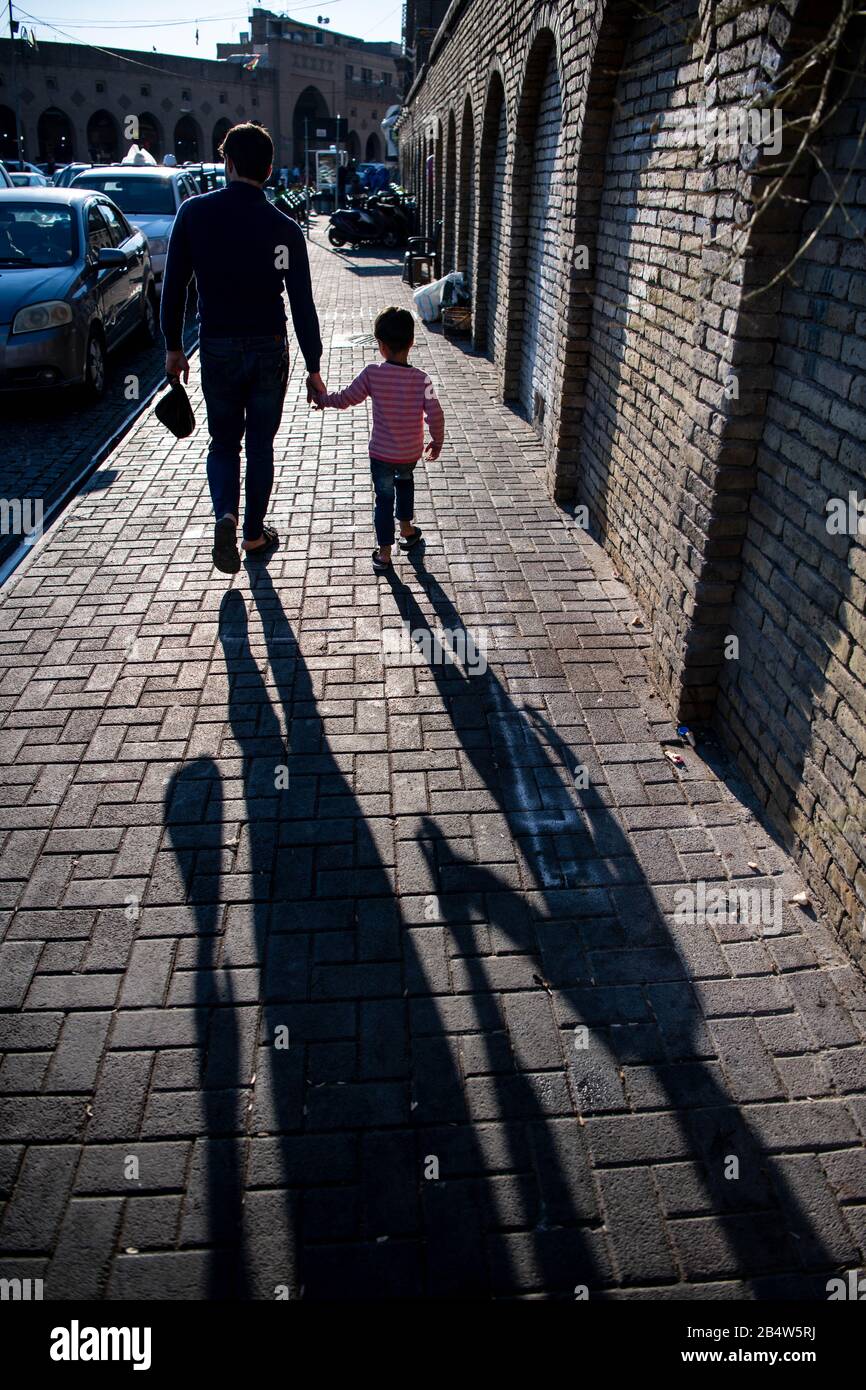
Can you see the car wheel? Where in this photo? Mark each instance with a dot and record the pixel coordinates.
(94, 366)
(149, 322)
(334, 237)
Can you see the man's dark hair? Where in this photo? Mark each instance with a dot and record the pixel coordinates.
(395, 328)
(250, 149)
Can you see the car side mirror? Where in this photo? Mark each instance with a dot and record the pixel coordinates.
(110, 257)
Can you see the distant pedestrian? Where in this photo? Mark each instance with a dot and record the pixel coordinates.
(403, 397)
(243, 252)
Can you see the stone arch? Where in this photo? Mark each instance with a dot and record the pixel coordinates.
(373, 153)
(188, 139)
(353, 145)
(632, 402)
(56, 136)
(219, 133)
(449, 205)
(793, 442)
(533, 346)
(438, 177)
(103, 138)
(466, 208)
(310, 105)
(490, 273)
(641, 286)
(430, 184)
(150, 135)
(583, 197)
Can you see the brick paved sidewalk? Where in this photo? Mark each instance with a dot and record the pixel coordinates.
(428, 915)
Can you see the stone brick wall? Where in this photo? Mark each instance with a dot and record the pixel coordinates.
(792, 699)
(490, 232)
(465, 238)
(538, 339)
(647, 263)
(669, 356)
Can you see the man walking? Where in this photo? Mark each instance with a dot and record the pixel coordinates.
(242, 251)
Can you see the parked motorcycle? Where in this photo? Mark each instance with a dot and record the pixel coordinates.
(374, 221)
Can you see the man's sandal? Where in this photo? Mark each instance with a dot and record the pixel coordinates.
(225, 546)
(272, 540)
(409, 542)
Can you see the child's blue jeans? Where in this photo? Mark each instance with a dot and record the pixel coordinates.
(394, 487)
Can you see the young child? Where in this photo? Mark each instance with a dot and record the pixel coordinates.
(402, 397)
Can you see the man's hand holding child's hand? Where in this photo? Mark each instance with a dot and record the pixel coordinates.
(315, 389)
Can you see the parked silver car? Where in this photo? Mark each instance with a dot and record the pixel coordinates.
(148, 194)
(75, 280)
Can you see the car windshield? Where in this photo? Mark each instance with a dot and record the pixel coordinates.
(35, 234)
(132, 193)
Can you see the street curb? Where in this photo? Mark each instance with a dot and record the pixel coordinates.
(18, 562)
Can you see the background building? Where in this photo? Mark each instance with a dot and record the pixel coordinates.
(74, 102)
(318, 75)
(74, 99)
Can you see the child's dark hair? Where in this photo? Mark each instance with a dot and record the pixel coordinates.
(395, 328)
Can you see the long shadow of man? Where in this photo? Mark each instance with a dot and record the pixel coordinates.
(194, 819)
(397, 1087)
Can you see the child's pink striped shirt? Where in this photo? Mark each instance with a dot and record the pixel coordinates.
(402, 396)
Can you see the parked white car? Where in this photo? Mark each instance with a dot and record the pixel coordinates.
(149, 196)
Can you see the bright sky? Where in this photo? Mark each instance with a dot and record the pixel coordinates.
(169, 26)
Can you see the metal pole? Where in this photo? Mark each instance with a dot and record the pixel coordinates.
(337, 171)
(307, 170)
(19, 139)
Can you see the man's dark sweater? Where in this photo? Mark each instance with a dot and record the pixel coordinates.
(242, 251)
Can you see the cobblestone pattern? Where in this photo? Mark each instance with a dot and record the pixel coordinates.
(427, 915)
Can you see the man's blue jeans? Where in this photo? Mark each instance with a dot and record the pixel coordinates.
(394, 487)
(244, 385)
